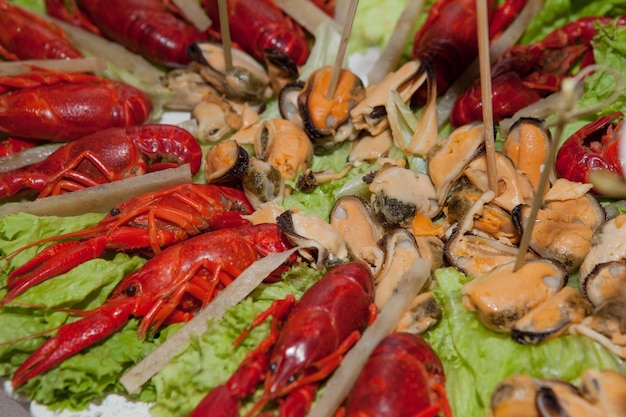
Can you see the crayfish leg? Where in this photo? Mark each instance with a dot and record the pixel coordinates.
(279, 310)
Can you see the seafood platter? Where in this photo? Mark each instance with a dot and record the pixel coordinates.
(313, 208)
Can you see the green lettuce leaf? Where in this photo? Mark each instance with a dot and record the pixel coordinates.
(476, 359)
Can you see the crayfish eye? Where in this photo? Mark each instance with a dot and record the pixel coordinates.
(291, 379)
(130, 291)
(114, 211)
(272, 367)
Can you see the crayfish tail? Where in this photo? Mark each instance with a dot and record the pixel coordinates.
(219, 402)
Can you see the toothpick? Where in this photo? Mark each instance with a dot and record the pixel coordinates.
(568, 86)
(343, 46)
(225, 31)
(485, 89)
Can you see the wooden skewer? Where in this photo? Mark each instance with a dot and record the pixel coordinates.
(485, 89)
(343, 46)
(569, 100)
(225, 31)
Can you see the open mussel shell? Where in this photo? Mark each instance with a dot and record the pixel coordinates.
(320, 243)
(281, 69)
(505, 294)
(247, 81)
(560, 399)
(401, 249)
(552, 317)
(226, 163)
(604, 282)
(423, 314)
(288, 102)
(527, 144)
(603, 263)
(354, 220)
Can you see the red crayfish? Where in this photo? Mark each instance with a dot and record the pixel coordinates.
(146, 223)
(526, 73)
(24, 35)
(448, 38)
(256, 25)
(402, 377)
(105, 156)
(154, 29)
(58, 106)
(594, 146)
(169, 288)
(308, 340)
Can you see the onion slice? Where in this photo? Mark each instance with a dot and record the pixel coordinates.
(111, 51)
(28, 157)
(88, 64)
(192, 10)
(309, 16)
(346, 374)
(102, 198)
(245, 283)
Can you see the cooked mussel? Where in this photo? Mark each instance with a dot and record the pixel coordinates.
(246, 81)
(353, 218)
(225, 163)
(513, 187)
(565, 224)
(285, 146)
(552, 317)
(319, 242)
(400, 249)
(398, 194)
(423, 314)
(288, 102)
(281, 69)
(449, 157)
(505, 294)
(370, 114)
(325, 116)
(515, 396)
(527, 144)
(601, 273)
(262, 183)
(606, 389)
